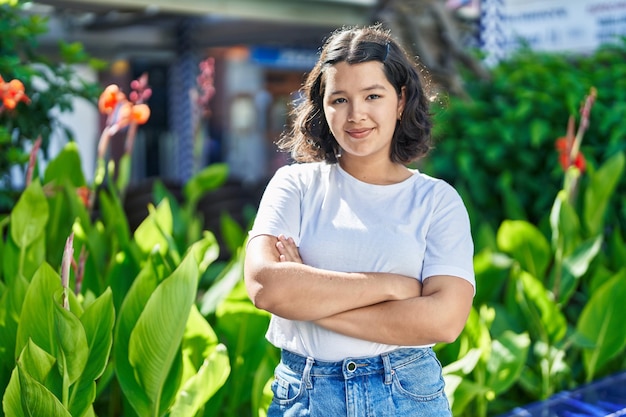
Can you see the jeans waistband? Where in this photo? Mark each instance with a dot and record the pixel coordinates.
(353, 366)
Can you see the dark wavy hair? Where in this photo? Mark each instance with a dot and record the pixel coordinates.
(309, 137)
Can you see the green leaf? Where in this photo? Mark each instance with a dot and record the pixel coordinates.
(576, 265)
(210, 178)
(37, 318)
(66, 167)
(526, 244)
(39, 364)
(132, 306)
(29, 216)
(543, 314)
(37, 400)
(205, 251)
(508, 357)
(73, 351)
(114, 217)
(156, 338)
(602, 320)
(232, 232)
(206, 366)
(11, 302)
(223, 285)
(156, 229)
(98, 321)
(123, 172)
(465, 364)
(600, 191)
(198, 389)
(565, 225)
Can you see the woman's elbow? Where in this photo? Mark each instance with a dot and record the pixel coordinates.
(450, 330)
(257, 292)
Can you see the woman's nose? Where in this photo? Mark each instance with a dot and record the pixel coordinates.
(357, 113)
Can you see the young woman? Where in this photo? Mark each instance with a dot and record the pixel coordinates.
(364, 263)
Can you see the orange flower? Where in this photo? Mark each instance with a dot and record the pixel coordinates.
(12, 93)
(140, 113)
(110, 98)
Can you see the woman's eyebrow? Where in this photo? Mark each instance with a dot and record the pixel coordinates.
(368, 88)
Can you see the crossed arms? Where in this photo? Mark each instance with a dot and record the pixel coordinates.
(379, 307)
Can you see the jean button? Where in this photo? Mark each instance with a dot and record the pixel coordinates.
(351, 366)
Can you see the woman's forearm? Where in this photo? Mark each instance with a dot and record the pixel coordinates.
(296, 291)
(439, 315)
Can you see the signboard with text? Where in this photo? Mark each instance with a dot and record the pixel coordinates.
(550, 25)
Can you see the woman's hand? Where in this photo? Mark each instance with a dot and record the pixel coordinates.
(287, 249)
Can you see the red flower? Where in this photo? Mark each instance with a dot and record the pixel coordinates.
(563, 145)
(12, 93)
(569, 145)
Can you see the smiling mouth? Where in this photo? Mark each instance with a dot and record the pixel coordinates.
(358, 133)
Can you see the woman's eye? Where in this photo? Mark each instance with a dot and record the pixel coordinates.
(339, 100)
(373, 96)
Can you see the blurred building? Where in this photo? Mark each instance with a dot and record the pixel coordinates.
(262, 49)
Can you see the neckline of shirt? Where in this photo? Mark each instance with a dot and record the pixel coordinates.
(367, 185)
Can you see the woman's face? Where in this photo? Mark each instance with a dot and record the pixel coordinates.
(361, 107)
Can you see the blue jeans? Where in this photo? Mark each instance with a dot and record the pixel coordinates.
(405, 382)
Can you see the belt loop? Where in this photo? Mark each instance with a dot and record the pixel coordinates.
(306, 374)
(387, 366)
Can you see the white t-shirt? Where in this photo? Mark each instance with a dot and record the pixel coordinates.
(418, 227)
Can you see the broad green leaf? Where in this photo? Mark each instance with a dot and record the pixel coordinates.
(38, 363)
(156, 229)
(98, 321)
(82, 397)
(210, 178)
(575, 266)
(11, 255)
(266, 398)
(29, 216)
(205, 251)
(465, 364)
(73, 351)
(261, 384)
(123, 172)
(66, 208)
(477, 331)
(66, 167)
(602, 320)
(232, 232)
(508, 357)
(11, 302)
(461, 392)
(565, 225)
(238, 321)
(199, 339)
(37, 318)
(157, 336)
(526, 244)
(492, 270)
(223, 284)
(543, 314)
(600, 191)
(114, 218)
(34, 256)
(198, 389)
(37, 400)
(130, 311)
